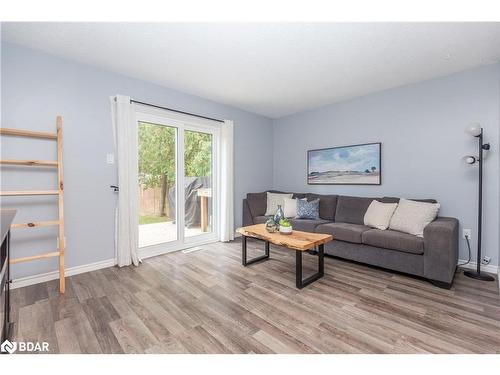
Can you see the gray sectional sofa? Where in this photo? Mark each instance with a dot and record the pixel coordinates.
(433, 257)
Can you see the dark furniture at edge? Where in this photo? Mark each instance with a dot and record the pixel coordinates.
(7, 216)
(434, 257)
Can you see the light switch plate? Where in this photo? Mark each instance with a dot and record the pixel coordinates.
(110, 158)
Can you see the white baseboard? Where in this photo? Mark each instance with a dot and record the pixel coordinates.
(36, 279)
(486, 268)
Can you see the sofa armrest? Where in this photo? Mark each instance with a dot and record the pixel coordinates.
(247, 214)
(441, 249)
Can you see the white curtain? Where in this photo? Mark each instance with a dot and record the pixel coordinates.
(125, 133)
(227, 183)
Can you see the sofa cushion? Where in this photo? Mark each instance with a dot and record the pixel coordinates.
(343, 231)
(274, 200)
(307, 210)
(327, 205)
(391, 239)
(290, 207)
(378, 215)
(261, 219)
(351, 209)
(257, 202)
(306, 225)
(412, 217)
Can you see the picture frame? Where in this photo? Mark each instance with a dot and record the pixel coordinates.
(359, 164)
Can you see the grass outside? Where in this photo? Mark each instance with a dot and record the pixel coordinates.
(152, 219)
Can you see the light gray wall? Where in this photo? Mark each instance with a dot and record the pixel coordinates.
(421, 127)
(36, 87)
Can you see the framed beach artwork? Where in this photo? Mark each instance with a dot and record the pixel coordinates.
(346, 165)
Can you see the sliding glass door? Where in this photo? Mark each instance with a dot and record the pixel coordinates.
(177, 181)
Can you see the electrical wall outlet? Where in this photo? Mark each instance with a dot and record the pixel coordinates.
(486, 260)
(467, 232)
(110, 158)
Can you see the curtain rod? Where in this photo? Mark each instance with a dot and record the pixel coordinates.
(175, 110)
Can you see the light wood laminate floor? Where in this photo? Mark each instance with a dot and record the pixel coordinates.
(207, 302)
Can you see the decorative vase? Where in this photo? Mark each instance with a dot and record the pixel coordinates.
(271, 226)
(278, 215)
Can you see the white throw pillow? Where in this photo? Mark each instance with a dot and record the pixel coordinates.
(378, 215)
(289, 207)
(412, 217)
(273, 200)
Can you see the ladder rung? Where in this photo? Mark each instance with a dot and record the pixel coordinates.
(34, 257)
(35, 224)
(32, 192)
(44, 163)
(27, 133)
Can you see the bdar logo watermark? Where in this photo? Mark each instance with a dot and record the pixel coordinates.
(24, 346)
(8, 347)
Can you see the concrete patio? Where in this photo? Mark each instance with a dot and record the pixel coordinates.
(156, 233)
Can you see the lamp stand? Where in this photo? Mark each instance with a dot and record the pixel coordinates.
(478, 275)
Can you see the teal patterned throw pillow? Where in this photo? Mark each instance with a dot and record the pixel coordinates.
(307, 210)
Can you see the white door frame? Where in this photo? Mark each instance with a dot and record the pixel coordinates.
(181, 123)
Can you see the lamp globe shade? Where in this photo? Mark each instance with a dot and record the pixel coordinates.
(469, 159)
(473, 129)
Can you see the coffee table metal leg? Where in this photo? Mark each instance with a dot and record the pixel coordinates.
(321, 259)
(298, 268)
(244, 259)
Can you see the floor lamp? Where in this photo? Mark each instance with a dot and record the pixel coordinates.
(477, 131)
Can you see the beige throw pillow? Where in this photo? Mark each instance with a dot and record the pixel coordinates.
(412, 217)
(273, 200)
(378, 215)
(289, 207)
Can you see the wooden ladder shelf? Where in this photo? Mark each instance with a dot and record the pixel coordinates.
(59, 193)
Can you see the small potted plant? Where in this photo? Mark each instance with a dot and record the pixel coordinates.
(285, 226)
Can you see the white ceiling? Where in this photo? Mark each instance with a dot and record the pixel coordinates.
(270, 69)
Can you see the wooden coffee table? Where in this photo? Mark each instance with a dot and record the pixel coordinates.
(297, 241)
